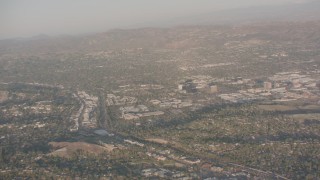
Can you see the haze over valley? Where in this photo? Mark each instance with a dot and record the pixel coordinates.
(208, 90)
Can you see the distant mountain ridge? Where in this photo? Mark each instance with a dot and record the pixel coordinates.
(162, 38)
(306, 11)
(303, 11)
(300, 17)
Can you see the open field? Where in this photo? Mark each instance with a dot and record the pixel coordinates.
(68, 149)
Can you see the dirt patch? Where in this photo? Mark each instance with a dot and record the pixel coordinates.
(155, 140)
(67, 149)
(4, 96)
(310, 107)
(302, 117)
(277, 108)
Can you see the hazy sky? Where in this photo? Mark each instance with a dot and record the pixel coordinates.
(21, 18)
